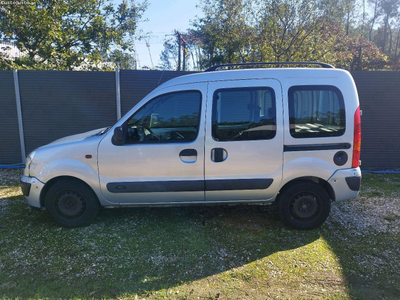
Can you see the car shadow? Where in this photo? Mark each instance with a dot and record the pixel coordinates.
(368, 260)
(144, 250)
(135, 250)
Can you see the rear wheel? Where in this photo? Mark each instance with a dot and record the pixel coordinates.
(304, 205)
(71, 203)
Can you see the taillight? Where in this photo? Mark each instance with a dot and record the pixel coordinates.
(357, 139)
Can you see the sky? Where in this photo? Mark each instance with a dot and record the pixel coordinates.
(164, 16)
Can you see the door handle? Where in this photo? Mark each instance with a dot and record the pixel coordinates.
(219, 154)
(188, 152)
(188, 156)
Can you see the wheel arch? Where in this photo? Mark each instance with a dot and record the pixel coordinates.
(327, 187)
(52, 181)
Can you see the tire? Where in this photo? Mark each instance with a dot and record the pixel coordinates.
(303, 205)
(71, 203)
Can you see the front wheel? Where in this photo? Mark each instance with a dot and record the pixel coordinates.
(304, 205)
(71, 203)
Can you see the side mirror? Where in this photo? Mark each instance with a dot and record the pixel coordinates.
(118, 138)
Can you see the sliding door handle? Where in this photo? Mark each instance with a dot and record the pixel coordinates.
(219, 154)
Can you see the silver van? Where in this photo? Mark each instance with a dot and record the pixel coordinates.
(284, 135)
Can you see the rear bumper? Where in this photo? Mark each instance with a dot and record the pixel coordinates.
(346, 183)
(31, 188)
(354, 182)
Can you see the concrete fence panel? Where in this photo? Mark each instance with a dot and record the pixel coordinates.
(379, 94)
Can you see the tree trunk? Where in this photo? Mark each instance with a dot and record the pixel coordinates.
(179, 50)
(390, 41)
(385, 33)
(373, 20)
(184, 56)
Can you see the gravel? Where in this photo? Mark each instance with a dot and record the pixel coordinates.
(370, 215)
(10, 177)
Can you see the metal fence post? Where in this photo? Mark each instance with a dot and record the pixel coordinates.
(19, 114)
(118, 93)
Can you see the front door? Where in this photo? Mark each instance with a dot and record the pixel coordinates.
(244, 140)
(162, 159)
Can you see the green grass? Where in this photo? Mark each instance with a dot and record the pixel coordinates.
(219, 252)
(385, 185)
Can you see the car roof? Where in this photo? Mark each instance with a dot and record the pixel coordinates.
(246, 74)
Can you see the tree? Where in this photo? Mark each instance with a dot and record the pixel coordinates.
(235, 31)
(384, 29)
(390, 10)
(65, 35)
(375, 16)
(355, 53)
(122, 60)
(291, 28)
(224, 33)
(348, 9)
(169, 56)
(190, 52)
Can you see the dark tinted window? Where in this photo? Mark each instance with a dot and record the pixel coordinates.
(171, 117)
(316, 111)
(244, 114)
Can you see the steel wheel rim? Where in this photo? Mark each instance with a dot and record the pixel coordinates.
(70, 204)
(304, 206)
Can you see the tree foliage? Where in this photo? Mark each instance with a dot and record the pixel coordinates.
(169, 56)
(333, 31)
(67, 35)
(122, 60)
(191, 54)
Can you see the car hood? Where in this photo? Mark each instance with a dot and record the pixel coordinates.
(76, 137)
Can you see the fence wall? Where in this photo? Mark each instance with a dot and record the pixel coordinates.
(135, 85)
(10, 150)
(379, 94)
(59, 103)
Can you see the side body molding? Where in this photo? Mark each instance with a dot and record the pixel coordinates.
(192, 185)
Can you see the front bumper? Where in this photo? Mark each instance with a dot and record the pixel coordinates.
(31, 188)
(346, 183)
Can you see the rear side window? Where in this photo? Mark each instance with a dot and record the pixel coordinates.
(242, 114)
(316, 111)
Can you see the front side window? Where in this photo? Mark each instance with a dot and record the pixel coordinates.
(241, 114)
(316, 111)
(173, 117)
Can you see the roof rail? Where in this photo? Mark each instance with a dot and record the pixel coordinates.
(280, 63)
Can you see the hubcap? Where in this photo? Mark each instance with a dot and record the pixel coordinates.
(71, 203)
(304, 206)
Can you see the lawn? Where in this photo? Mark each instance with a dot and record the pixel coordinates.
(217, 252)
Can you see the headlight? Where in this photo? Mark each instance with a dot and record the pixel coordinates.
(28, 162)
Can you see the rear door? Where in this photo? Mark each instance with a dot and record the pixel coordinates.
(244, 140)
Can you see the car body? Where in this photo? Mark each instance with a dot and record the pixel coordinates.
(223, 137)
